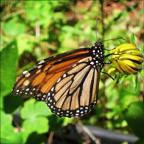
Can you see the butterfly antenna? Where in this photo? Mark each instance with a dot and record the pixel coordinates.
(108, 75)
(96, 27)
(115, 39)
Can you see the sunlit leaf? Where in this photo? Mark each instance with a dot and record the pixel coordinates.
(8, 135)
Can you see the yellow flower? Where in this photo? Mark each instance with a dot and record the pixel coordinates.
(126, 58)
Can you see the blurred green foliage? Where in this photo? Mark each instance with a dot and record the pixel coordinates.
(33, 30)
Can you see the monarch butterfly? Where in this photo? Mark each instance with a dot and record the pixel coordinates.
(68, 83)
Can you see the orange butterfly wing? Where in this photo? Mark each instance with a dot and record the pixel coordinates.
(68, 82)
(46, 73)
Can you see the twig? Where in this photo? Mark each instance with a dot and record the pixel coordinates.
(50, 138)
(12, 14)
(89, 133)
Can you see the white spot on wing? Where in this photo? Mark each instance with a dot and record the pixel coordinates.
(38, 95)
(25, 72)
(40, 62)
(77, 111)
(64, 75)
(74, 65)
(44, 96)
(26, 82)
(52, 88)
(92, 63)
(27, 89)
(59, 80)
(39, 66)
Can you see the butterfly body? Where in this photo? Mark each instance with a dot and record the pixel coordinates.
(68, 83)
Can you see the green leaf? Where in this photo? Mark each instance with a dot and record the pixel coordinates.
(55, 122)
(24, 43)
(13, 28)
(33, 108)
(121, 78)
(9, 57)
(1, 102)
(39, 125)
(110, 114)
(69, 43)
(34, 138)
(124, 123)
(42, 109)
(126, 99)
(140, 141)
(77, 31)
(39, 13)
(135, 81)
(142, 73)
(8, 135)
(6, 119)
(34, 112)
(142, 49)
(129, 91)
(135, 118)
(133, 39)
(99, 111)
(28, 109)
(109, 125)
(121, 41)
(12, 103)
(112, 96)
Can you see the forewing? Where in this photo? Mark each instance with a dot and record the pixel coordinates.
(46, 73)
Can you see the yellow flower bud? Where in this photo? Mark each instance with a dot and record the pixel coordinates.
(126, 58)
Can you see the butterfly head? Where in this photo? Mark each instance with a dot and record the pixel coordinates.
(99, 44)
